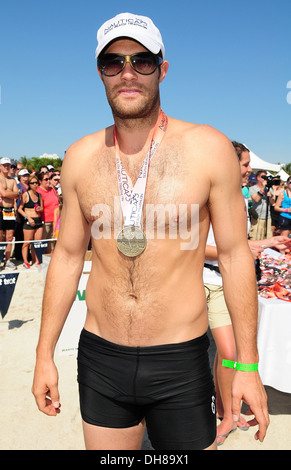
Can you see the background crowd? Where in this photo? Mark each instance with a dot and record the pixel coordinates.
(269, 203)
(30, 205)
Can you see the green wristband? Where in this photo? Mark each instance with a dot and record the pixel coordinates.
(238, 366)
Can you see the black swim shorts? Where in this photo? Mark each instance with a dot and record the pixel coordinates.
(170, 385)
(38, 224)
(7, 218)
(284, 223)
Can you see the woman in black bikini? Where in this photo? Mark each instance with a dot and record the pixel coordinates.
(30, 207)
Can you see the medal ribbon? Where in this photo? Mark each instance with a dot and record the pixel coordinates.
(132, 197)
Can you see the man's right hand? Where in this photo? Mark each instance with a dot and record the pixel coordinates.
(45, 388)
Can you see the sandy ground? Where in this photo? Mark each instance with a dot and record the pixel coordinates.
(23, 427)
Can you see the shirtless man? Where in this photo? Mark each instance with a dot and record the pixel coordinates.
(143, 351)
(8, 193)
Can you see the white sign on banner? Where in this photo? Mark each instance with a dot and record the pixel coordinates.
(69, 337)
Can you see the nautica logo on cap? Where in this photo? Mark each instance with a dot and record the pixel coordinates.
(124, 22)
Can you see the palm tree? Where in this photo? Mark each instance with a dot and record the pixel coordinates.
(25, 162)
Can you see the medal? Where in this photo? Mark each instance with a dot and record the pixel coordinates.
(131, 241)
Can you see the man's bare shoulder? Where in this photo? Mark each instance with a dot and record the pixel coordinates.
(203, 133)
(203, 141)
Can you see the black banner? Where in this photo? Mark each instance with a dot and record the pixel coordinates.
(7, 286)
(40, 248)
(2, 250)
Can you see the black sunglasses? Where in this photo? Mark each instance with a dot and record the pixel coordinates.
(144, 63)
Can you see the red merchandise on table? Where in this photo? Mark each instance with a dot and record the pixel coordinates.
(275, 276)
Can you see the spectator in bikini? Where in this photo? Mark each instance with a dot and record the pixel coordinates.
(31, 207)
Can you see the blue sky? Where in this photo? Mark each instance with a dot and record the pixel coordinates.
(229, 68)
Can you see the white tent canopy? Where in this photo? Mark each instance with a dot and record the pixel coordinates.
(283, 175)
(258, 164)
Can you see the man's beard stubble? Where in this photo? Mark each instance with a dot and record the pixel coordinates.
(144, 109)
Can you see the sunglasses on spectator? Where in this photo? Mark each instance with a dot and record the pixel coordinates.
(34, 182)
(144, 63)
(45, 179)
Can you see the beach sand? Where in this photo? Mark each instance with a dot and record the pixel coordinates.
(23, 427)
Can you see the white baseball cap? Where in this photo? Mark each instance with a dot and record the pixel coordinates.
(137, 27)
(23, 172)
(5, 160)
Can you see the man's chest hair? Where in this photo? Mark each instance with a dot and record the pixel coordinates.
(173, 178)
(6, 183)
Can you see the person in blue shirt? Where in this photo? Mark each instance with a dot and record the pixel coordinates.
(283, 205)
